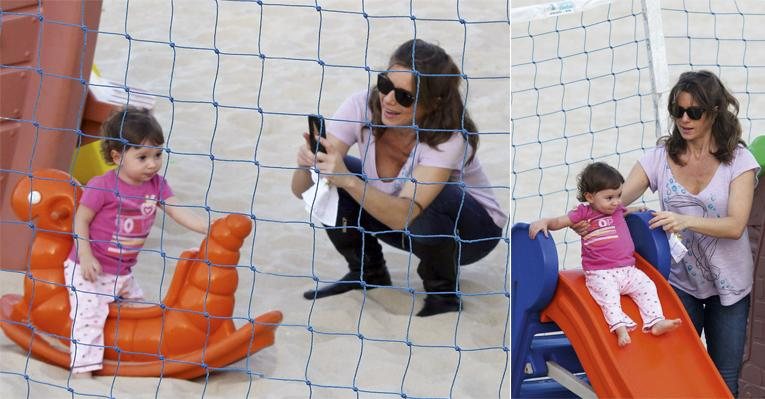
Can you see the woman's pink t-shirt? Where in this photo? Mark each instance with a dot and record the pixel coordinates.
(349, 125)
(712, 266)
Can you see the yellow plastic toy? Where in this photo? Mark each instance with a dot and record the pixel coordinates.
(89, 163)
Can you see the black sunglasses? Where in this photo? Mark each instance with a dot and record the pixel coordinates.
(403, 97)
(694, 113)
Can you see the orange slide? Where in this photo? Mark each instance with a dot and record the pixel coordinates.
(190, 333)
(672, 365)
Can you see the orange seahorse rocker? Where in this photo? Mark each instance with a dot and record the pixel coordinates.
(190, 333)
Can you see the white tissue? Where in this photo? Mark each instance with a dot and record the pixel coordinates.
(676, 247)
(321, 200)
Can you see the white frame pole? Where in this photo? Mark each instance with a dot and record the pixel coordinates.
(657, 62)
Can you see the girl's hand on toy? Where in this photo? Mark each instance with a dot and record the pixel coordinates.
(633, 209)
(581, 227)
(536, 227)
(90, 268)
(668, 221)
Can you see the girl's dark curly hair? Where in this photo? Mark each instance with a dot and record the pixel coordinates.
(596, 177)
(718, 103)
(437, 81)
(129, 127)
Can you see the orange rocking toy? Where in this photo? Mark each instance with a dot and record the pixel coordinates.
(189, 334)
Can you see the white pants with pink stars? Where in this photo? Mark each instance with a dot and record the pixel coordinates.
(607, 287)
(89, 301)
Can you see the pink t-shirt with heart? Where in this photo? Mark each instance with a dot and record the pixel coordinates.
(124, 214)
(607, 244)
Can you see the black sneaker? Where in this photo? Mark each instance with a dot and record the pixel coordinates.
(439, 303)
(351, 281)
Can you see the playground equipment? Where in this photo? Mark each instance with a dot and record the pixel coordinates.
(752, 382)
(52, 104)
(757, 147)
(558, 331)
(186, 336)
(44, 91)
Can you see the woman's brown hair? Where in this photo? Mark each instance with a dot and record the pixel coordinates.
(718, 103)
(437, 80)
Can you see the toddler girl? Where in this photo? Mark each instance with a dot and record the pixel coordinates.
(112, 221)
(607, 253)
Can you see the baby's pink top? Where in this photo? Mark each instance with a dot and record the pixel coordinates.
(607, 244)
(124, 214)
(349, 125)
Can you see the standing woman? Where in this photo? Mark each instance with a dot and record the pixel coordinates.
(705, 178)
(417, 186)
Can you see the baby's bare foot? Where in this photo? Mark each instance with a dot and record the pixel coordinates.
(665, 326)
(622, 337)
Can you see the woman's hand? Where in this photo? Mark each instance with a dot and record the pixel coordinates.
(305, 157)
(332, 167)
(307, 160)
(582, 227)
(669, 221)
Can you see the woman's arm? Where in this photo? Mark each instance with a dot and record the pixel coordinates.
(399, 212)
(731, 227)
(394, 212)
(635, 184)
(185, 217)
(301, 177)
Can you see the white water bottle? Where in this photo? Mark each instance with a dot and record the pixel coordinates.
(676, 247)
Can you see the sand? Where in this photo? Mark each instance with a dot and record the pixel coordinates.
(285, 251)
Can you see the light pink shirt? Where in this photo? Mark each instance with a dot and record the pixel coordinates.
(712, 266)
(124, 214)
(607, 244)
(349, 125)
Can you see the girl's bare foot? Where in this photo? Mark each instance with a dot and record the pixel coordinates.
(622, 337)
(665, 326)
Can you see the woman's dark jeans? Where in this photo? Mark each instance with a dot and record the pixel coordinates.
(431, 237)
(724, 328)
